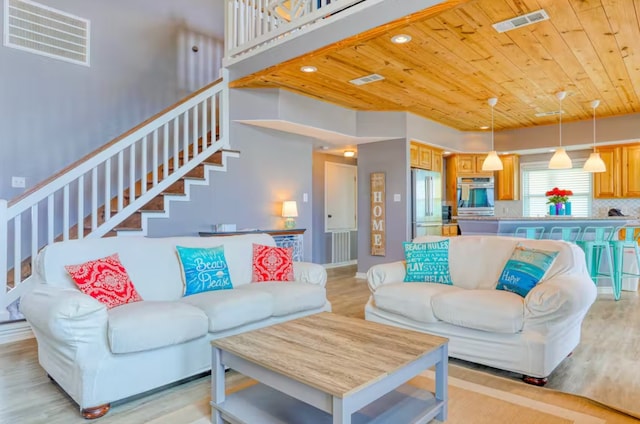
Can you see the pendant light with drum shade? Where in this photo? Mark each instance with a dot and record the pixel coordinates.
(492, 162)
(560, 159)
(595, 162)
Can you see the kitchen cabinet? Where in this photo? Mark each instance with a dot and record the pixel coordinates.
(622, 177)
(469, 164)
(450, 230)
(425, 157)
(508, 180)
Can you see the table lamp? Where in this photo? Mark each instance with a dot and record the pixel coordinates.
(289, 211)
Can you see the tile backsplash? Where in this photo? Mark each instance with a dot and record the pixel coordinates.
(599, 207)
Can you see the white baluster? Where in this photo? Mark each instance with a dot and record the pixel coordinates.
(94, 199)
(50, 211)
(185, 136)
(132, 172)
(121, 182)
(214, 126)
(107, 189)
(165, 151)
(154, 158)
(4, 246)
(143, 171)
(34, 236)
(205, 130)
(80, 219)
(17, 249)
(195, 131)
(65, 212)
(176, 144)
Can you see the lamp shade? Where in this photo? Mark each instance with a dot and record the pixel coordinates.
(492, 162)
(289, 209)
(594, 163)
(560, 160)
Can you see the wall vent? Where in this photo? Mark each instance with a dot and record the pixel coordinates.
(367, 79)
(520, 21)
(39, 29)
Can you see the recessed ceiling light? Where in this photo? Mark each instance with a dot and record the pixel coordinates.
(308, 69)
(484, 127)
(400, 39)
(446, 153)
(349, 153)
(505, 153)
(552, 150)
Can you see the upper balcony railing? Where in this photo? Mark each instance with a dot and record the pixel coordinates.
(251, 24)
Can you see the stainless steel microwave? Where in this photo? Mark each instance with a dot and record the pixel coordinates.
(475, 196)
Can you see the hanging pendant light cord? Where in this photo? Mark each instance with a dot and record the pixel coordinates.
(492, 149)
(594, 129)
(560, 121)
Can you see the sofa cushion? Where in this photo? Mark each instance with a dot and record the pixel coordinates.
(203, 269)
(106, 280)
(410, 300)
(291, 297)
(227, 309)
(525, 269)
(140, 326)
(272, 263)
(488, 310)
(427, 262)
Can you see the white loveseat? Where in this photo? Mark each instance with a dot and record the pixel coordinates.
(530, 335)
(99, 356)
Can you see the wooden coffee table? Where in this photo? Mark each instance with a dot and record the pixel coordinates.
(327, 368)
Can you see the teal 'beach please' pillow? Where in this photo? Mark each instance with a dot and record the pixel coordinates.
(204, 269)
(525, 269)
(427, 262)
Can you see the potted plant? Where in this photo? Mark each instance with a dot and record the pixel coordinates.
(559, 201)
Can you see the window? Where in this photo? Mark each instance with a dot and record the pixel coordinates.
(537, 179)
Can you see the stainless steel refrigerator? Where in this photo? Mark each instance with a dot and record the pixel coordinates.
(426, 202)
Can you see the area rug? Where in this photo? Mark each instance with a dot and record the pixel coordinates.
(497, 400)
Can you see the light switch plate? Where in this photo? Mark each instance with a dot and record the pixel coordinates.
(18, 182)
(397, 197)
(305, 197)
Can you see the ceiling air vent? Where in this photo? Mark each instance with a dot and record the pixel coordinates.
(39, 29)
(367, 79)
(552, 113)
(520, 21)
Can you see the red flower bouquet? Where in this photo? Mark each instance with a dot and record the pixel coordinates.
(558, 196)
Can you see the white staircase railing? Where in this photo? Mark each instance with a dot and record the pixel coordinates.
(251, 24)
(95, 194)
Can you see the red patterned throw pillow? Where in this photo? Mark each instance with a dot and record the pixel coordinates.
(272, 263)
(105, 280)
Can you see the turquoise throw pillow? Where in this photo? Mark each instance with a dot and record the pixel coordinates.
(525, 269)
(427, 262)
(204, 269)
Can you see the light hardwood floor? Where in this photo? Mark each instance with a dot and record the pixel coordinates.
(603, 367)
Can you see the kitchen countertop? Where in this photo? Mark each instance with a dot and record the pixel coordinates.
(545, 218)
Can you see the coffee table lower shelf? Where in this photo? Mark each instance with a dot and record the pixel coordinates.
(265, 405)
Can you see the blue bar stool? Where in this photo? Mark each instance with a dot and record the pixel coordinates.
(529, 232)
(627, 239)
(570, 234)
(595, 242)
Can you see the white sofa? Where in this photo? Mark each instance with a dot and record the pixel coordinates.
(99, 356)
(530, 335)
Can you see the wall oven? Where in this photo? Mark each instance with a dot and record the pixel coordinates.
(475, 196)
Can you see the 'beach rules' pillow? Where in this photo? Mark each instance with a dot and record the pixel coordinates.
(427, 262)
(525, 269)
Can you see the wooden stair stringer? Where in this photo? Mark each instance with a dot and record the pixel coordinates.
(185, 196)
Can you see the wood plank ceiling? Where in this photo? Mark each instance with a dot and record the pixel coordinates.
(457, 60)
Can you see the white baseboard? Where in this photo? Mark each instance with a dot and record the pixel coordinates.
(338, 265)
(361, 275)
(14, 332)
(605, 290)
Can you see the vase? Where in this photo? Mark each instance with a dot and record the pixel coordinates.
(559, 209)
(567, 208)
(552, 209)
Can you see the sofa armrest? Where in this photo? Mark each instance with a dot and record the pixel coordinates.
(552, 302)
(65, 315)
(388, 273)
(307, 272)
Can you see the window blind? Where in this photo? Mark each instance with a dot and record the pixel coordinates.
(537, 179)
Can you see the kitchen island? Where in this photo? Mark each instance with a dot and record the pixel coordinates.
(506, 226)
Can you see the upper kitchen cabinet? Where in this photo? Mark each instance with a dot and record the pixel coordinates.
(466, 164)
(622, 177)
(425, 157)
(508, 180)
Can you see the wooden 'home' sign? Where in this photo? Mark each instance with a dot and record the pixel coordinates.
(378, 240)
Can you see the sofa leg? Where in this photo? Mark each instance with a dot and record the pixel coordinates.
(536, 381)
(95, 412)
